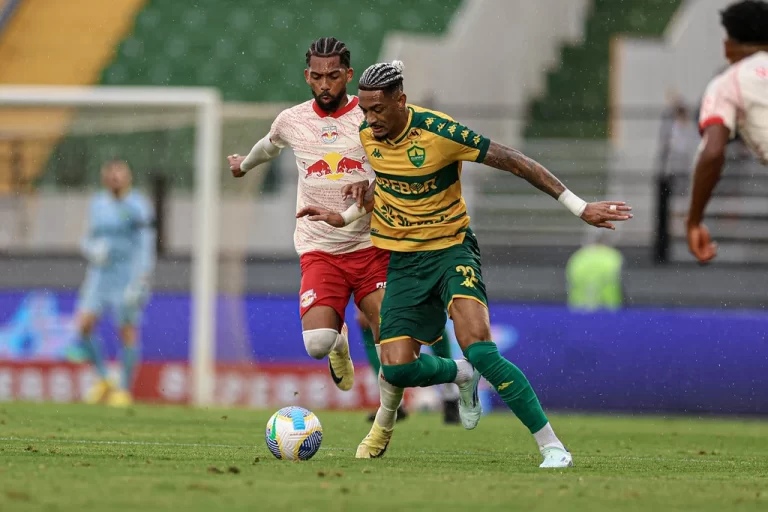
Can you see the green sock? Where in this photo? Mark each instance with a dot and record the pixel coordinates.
(443, 347)
(509, 382)
(370, 351)
(92, 349)
(130, 356)
(425, 371)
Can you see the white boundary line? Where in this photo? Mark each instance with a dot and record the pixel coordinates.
(337, 449)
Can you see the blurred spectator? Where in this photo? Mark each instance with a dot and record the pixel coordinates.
(593, 275)
(679, 141)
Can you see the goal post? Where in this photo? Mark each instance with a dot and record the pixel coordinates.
(208, 163)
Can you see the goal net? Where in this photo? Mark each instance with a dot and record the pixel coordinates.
(222, 323)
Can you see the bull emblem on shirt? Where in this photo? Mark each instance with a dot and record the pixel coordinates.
(333, 166)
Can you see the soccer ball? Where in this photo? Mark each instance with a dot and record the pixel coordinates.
(294, 433)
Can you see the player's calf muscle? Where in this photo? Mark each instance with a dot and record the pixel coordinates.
(470, 321)
(370, 305)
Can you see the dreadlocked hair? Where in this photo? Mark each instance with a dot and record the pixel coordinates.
(329, 47)
(746, 21)
(384, 76)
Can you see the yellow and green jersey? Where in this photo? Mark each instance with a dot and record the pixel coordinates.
(417, 202)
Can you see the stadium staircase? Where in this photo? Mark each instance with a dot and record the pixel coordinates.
(567, 131)
(576, 101)
(252, 50)
(63, 43)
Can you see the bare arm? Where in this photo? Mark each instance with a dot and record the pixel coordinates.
(709, 166)
(361, 192)
(597, 214)
(511, 160)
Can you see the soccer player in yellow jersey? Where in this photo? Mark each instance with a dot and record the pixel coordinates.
(420, 216)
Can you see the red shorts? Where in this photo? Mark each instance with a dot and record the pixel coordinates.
(331, 279)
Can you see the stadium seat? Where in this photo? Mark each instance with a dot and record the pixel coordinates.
(252, 50)
(576, 101)
(43, 43)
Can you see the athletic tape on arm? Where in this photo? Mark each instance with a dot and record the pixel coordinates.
(262, 152)
(574, 203)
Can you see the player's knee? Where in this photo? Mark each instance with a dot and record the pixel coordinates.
(400, 375)
(319, 342)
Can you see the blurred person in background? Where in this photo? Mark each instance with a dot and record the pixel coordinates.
(120, 247)
(593, 274)
(734, 101)
(679, 140)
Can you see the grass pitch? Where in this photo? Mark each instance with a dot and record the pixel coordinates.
(76, 457)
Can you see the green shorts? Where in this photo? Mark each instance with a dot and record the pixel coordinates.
(422, 285)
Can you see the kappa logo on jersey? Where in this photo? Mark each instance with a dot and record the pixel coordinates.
(414, 134)
(330, 134)
(307, 298)
(381, 286)
(333, 166)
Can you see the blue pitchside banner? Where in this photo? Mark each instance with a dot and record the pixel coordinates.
(638, 359)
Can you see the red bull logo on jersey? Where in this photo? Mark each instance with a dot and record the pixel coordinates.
(333, 166)
(329, 135)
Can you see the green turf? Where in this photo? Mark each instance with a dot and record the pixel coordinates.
(74, 457)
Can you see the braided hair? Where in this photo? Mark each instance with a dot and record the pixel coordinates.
(384, 76)
(329, 47)
(746, 22)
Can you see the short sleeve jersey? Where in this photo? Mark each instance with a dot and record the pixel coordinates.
(328, 156)
(738, 100)
(418, 204)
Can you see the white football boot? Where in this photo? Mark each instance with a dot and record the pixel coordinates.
(470, 408)
(340, 365)
(556, 457)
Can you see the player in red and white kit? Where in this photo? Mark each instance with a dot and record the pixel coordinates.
(736, 101)
(336, 263)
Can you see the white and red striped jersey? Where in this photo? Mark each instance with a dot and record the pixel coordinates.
(328, 156)
(738, 99)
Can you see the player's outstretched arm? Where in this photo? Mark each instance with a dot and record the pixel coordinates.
(262, 152)
(361, 192)
(599, 214)
(709, 166)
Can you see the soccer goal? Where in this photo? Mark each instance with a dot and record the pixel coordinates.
(56, 138)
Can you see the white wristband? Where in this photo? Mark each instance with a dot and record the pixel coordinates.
(352, 214)
(574, 203)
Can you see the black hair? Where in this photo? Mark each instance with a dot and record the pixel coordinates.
(746, 22)
(384, 76)
(329, 47)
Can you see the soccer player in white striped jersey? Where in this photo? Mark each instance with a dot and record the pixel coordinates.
(336, 263)
(736, 101)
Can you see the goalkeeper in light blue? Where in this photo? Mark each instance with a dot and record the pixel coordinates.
(120, 247)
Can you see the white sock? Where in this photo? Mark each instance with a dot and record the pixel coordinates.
(342, 344)
(546, 437)
(465, 371)
(390, 397)
(450, 392)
